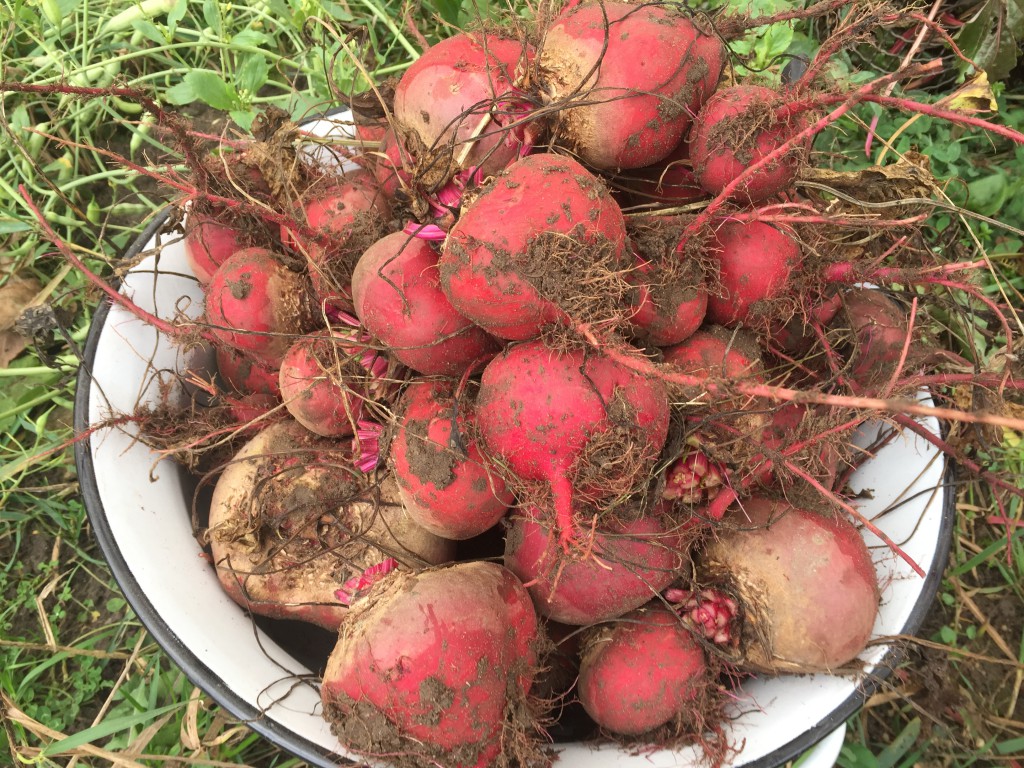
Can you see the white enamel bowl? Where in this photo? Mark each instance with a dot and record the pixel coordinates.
(140, 508)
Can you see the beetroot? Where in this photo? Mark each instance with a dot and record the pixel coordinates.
(642, 672)
(246, 376)
(805, 582)
(349, 216)
(583, 424)
(871, 330)
(256, 305)
(754, 261)
(391, 165)
(290, 522)
(516, 257)
(635, 105)
(397, 295)
(671, 296)
(209, 242)
(447, 99)
(446, 484)
(718, 353)
(630, 562)
(736, 128)
(436, 667)
(669, 182)
(327, 377)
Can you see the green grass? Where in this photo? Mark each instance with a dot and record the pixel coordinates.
(80, 678)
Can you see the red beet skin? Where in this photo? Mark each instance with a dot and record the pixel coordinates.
(642, 672)
(629, 565)
(670, 304)
(806, 583)
(439, 662)
(755, 261)
(255, 304)
(397, 295)
(449, 94)
(325, 379)
(209, 242)
(446, 485)
(734, 130)
(332, 214)
(718, 353)
(544, 413)
(638, 105)
(492, 261)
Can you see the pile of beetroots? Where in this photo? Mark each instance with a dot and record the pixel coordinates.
(510, 386)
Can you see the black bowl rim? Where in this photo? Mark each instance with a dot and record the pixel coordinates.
(203, 677)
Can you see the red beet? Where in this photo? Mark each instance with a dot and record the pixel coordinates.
(441, 663)
(446, 484)
(671, 296)
(209, 242)
(718, 353)
(518, 253)
(583, 424)
(447, 99)
(805, 582)
(629, 564)
(397, 295)
(755, 261)
(871, 330)
(348, 216)
(670, 182)
(642, 672)
(736, 128)
(256, 305)
(245, 375)
(326, 378)
(291, 522)
(637, 105)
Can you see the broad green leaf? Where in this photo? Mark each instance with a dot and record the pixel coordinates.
(243, 117)
(993, 35)
(176, 14)
(210, 87)
(972, 33)
(988, 194)
(252, 73)
(250, 37)
(211, 15)
(182, 93)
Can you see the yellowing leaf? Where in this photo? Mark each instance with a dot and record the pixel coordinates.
(972, 98)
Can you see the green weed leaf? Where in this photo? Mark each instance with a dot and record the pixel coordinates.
(252, 74)
(251, 37)
(207, 86)
(993, 36)
(104, 729)
(448, 9)
(243, 117)
(176, 14)
(900, 745)
(988, 194)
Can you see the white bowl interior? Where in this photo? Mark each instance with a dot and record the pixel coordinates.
(141, 509)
